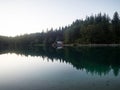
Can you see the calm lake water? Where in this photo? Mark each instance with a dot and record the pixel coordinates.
(83, 68)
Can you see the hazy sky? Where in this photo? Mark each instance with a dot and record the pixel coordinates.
(28, 16)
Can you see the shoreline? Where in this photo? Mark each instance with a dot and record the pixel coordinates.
(91, 45)
(86, 45)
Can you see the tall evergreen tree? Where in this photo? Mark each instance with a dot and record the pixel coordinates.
(116, 27)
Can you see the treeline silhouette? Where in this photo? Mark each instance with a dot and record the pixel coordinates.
(98, 29)
(96, 60)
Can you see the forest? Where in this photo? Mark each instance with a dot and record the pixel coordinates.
(95, 29)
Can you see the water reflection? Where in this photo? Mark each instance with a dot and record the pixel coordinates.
(96, 60)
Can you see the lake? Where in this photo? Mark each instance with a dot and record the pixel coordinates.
(41, 68)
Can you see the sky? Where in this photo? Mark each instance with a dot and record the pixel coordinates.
(19, 17)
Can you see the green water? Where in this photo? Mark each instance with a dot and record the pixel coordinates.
(40, 68)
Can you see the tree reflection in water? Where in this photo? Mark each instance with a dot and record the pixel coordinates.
(96, 60)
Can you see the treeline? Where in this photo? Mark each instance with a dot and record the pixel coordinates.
(98, 29)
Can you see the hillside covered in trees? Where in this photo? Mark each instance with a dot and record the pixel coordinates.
(97, 29)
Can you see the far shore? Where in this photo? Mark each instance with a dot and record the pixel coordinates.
(87, 45)
(92, 45)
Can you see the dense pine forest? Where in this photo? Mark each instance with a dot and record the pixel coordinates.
(95, 29)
